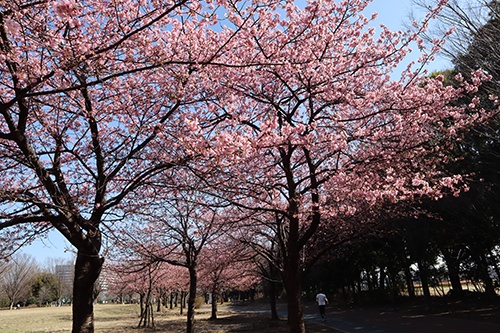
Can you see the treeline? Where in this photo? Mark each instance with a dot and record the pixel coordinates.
(23, 282)
(412, 258)
(448, 246)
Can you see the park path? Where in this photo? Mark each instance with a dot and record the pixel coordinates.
(380, 321)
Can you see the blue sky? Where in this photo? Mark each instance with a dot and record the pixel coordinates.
(55, 246)
(391, 12)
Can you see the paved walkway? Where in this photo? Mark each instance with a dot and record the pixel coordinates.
(378, 321)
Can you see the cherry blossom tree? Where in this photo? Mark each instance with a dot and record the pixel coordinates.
(136, 276)
(179, 223)
(89, 91)
(190, 226)
(119, 285)
(226, 265)
(99, 99)
(325, 132)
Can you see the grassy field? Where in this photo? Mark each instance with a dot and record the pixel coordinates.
(118, 318)
(58, 319)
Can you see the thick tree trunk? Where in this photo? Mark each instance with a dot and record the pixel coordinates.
(453, 272)
(214, 306)
(485, 276)
(369, 280)
(409, 283)
(193, 280)
(272, 300)
(293, 285)
(382, 278)
(292, 277)
(422, 269)
(87, 270)
(273, 272)
(344, 296)
(356, 286)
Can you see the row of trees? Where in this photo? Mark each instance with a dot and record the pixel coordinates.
(442, 258)
(23, 281)
(455, 239)
(162, 283)
(165, 127)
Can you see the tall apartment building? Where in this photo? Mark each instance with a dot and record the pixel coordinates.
(66, 273)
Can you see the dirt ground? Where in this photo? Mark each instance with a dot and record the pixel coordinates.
(118, 318)
(228, 321)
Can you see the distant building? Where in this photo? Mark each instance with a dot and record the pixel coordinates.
(101, 287)
(66, 273)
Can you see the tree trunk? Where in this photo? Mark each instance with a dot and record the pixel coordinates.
(183, 294)
(382, 278)
(193, 280)
(141, 302)
(148, 316)
(293, 285)
(344, 295)
(453, 272)
(409, 283)
(214, 306)
(87, 270)
(369, 280)
(392, 288)
(292, 278)
(422, 270)
(485, 276)
(272, 300)
(359, 287)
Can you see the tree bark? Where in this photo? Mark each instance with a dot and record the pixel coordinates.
(409, 283)
(453, 272)
(87, 270)
(292, 278)
(369, 280)
(193, 280)
(422, 270)
(485, 276)
(382, 278)
(183, 294)
(272, 300)
(293, 285)
(214, 306)
(141, 302)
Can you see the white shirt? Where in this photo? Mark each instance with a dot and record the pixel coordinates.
(321, 299)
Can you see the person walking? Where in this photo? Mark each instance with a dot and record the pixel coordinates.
(322, 302)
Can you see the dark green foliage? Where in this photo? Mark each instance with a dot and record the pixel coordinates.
(4, 302)
(45, 288)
